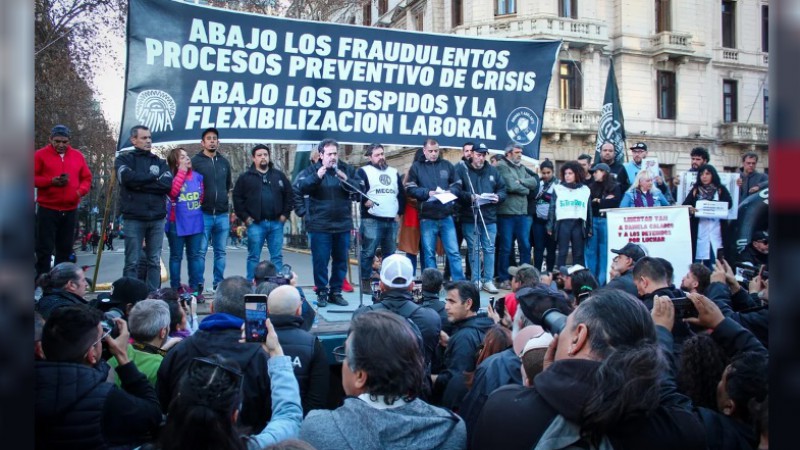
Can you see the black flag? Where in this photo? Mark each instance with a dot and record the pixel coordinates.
(612, 124)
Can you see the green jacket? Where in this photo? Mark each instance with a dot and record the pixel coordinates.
(147, 363)
(518, 185)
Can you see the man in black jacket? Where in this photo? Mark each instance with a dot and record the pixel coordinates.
(426, 179)
(75, 405)
(397, 282)
(483, 189)
(64, 285)
(328, 219)
(217, 184)
(462, 304)
(622, 267)
(145, 181)
(308, 357)
(262, 199)
(220, 333)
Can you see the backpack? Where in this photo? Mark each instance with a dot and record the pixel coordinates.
(406, 311)
(563, 434)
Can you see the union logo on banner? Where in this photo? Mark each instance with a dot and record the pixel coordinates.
(155, 109)
(522, 125)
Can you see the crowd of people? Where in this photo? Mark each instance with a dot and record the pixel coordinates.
(655, 356)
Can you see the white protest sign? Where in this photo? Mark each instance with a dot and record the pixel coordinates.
(661, 231)
(711, 209)
(688, 179)
(651, 165)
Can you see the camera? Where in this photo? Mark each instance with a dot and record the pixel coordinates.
(684, 308)
(553, 321)
(283, 277)
(109, 323)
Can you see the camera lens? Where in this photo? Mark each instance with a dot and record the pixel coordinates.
(553, 321)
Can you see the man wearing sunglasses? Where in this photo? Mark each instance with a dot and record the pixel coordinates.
(75, 405)
(61, 177)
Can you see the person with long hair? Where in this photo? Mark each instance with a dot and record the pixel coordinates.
(497, 339)
(605, 379)
(64, 285)
(605, 193)
(205, 412)
(570, 216)
(184, 226)
(643, 193)
(541, 240)
(708, 234)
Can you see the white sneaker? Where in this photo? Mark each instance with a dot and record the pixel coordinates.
(490, 287)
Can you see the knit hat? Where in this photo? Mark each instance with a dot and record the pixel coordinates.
(60, 130)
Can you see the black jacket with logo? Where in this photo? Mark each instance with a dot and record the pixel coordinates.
(308, 360)
(484, 180)
(217, 182)
(328, 200)
(145, 180)
(248, 192)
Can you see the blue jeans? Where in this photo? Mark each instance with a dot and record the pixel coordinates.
(194, 257)
(488, 250)
(513, 227)
(597, 249)
(326, 247)
(216, 229)
(258, 232)
(376, 232)
(446, 230)
(151, 232)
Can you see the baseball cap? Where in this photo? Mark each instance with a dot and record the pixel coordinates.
(481, 148)
(632, 251)
(123, 291)
(514, 269)
(601, 166)
(60, 130)
(543, 340)
(396, 271)
(569, 270)
(640, 146)
(761, 235)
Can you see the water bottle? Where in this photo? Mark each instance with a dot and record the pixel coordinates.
(316, 313)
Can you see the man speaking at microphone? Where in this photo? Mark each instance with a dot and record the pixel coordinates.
(328, 220)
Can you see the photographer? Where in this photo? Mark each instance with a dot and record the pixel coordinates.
(64, 285)
(603, 384)
(75, 406)
(266, 271)
(739, 304)
(183, 320)
(124, 294)
(149, 327)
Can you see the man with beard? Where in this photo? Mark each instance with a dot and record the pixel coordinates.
(696, 279)
(217, 184)
(262, 199)
(699, 157)
(379, 219)
(608, 155)
(632, 168)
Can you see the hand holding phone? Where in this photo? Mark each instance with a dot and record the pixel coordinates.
(720, 254)
(684, 308)
(255, 309)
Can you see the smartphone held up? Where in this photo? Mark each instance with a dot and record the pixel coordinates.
(255, 326)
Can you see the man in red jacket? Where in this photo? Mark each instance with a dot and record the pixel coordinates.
(61, 177)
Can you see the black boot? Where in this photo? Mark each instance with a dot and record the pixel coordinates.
(337, 299)
(322, 298)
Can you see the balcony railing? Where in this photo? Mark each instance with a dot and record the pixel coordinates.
(746, 133)
(669, 42)
(733, 56)
(570, 121)
(577, 32)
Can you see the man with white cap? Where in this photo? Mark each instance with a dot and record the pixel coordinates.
(397, 282)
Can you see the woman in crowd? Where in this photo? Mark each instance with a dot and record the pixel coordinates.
(708, 233)
(605, 194)
(541, 240)
(583, 285)
(206, 409)
(182, 314)
(184, 227)
(570, 219)
(643, 193)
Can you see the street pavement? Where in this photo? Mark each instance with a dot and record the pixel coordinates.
(112, 262)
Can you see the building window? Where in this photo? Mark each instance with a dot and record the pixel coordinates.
(729, 101)
(766, 106)
(571, 85)
(367, 14)
(568, 8)
(383, 6)
(663, 16)
(729, 24)
(765, 28)
(458, 12)
(419, 20)
(506, 7)
(667, 95)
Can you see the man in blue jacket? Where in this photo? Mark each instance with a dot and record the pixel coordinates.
(145, 180)
(328, 220)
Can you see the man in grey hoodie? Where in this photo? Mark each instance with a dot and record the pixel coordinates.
(382, 374)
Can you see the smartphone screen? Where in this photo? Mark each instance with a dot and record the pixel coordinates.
(286, 271)
(720, 253)
(684, 308)
(255, 308)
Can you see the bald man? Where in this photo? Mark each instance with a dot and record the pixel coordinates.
(308, 358)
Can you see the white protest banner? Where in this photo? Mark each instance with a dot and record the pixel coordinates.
(728, 180)
(661, 231)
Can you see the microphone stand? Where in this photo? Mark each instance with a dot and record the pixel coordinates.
(476, 212)
(353, 189)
